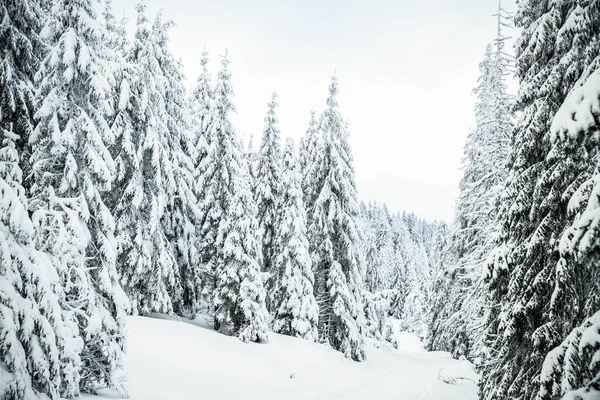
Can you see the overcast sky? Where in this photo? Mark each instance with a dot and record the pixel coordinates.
(406, 69)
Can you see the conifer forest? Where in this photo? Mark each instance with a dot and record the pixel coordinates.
(148, 250)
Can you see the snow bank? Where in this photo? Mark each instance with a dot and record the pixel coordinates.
(173, 360)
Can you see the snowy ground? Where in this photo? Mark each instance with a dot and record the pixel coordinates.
(172, 360)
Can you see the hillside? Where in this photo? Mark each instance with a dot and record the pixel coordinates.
(169, 359)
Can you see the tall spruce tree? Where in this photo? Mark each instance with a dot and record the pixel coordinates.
(73, 171)
(295, 310)
(268, 184)
(181, 212)
(20, 52)
(572, 369)
(307, 159)
(485, 154)
(201, 106)
(214, 176)
(235, 282)
(201, 117)
(536, 294)
(39, 343)
(399, 273)
(203, 161)
(148, 267)
(333, 237)
(123, 150)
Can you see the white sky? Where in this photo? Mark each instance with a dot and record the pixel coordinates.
(406, 69)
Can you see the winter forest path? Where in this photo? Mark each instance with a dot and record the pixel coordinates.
(180, 361)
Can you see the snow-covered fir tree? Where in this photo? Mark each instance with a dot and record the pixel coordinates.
(213, 174)
(120, 121)
(201, 105)
(203, 161)
(148, 268)
(377, 310)
(73, 171)
(295, 310)
(236, 286)
(181, 212)
(22, 48)
(307, 159)
(485, 154)
(380, 254)
(572, 369)
(333, 237)
(399, 274)
(39, 343)
(442, 305)
(201, 117)
(537, 295)
(267, 190)
(415, 307)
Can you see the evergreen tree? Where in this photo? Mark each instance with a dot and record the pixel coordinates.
(181, 210)
(148, 267)
(39, 346)
(201, 115)
(123, 149)
(268, 184)
(229, 216)
(20, 52)
(377, 311)
(443, 303)
(572, 369)
(307, 159)
(538, 295)
(380, 266)
(399, 273)
(202, 118)
(201, 105)
(333, 238)
(73, 171)
(213, 175)
(414, 313)
(293, 303)
(486, 151)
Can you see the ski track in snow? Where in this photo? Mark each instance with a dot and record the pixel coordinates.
(174, 360)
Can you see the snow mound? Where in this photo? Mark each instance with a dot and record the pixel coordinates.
(174, 360)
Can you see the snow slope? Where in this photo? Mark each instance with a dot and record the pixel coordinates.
(174, 360)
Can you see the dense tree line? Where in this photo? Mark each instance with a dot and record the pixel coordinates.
(522, 270)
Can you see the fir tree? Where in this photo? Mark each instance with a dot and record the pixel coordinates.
(333, 237)
(537, 293)
(202, 118)
(399, 273)
(22, 47)
(213, 176)
(229, 216)
(414, 313)
(73, 171)
(201, 115)
(572, 369)
(307, 159)
(376, 308)
(485, 154)
(268, 184)
(148, 267)
(201, 105)
(181, 211)
(39, 343)
(293, 303)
